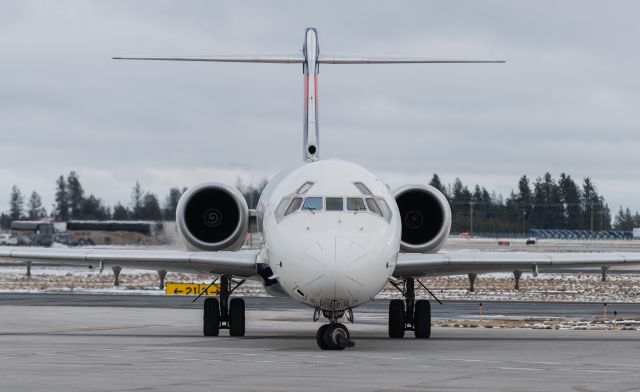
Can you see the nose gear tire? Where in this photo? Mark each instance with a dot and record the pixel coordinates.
(320, 337)
(333, 337)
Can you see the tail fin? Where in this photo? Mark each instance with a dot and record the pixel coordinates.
(311, 58)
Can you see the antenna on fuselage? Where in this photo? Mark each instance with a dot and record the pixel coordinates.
(310, 60)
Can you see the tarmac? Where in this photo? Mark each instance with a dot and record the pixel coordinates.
(454, 310)
(113, 348)
(86, 342)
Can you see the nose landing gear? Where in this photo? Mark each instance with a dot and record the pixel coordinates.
(334, 336)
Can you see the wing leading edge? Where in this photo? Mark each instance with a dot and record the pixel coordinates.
(419, 264)
(241, 264)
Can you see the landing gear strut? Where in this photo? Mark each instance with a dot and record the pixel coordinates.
(223, 313)
(409, 314)
(333, 336)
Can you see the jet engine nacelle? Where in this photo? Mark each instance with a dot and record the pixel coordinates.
(213, 216)
(426, 218)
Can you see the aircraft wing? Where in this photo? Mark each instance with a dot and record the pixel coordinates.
(241, 263)
(424, 264)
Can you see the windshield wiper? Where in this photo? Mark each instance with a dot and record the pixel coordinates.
(313, 210)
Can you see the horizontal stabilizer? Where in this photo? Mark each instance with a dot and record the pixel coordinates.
(328, 59)
(293, 59)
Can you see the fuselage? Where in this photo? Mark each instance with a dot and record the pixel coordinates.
(331, 233)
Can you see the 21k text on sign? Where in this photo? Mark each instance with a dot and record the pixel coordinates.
(191, 289)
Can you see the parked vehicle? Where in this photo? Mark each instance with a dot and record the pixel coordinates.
(35, 233)
(7, 239)
(115, 233)
(65, 239)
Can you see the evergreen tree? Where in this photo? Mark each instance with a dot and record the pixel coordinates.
(636, 220)
(171, 204)
(251, 192)
(604, 214)
(91, 208)
(436, 183)
(62, 200)
(75, 195)
(624, 220)
(518, 208)
(120, 212)
(460, 201)
(150, 209)
(252, 195)
(137, 194)
(5, 221)
(16, 204)
(547, 211)
(570, 198)
(590, 200)
(36, 210)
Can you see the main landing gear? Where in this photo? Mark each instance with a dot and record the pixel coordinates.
(409, 315)
(224, 313)
(333, 336)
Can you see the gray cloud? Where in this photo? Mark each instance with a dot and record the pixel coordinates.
(565, 101)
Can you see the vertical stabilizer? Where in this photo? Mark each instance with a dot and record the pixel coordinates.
(310, 140)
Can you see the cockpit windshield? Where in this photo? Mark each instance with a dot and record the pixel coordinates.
(367, 203)
(335, 204)
(355, 204)
(312, 203)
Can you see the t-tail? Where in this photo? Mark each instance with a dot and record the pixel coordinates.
(311, 58)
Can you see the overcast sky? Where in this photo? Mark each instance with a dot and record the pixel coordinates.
(568, 99)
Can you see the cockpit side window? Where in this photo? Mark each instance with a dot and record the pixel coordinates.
(312, 203)
(335, 204)
(304, 188)
(386, 211)
(294, 206)
(282, 207)
(362, 188)
(355, 204)
(373, 206)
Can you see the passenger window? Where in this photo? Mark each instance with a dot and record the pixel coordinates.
(294, 206)
(355, 204)
(335, 204)
(373, 206)
(312, 203)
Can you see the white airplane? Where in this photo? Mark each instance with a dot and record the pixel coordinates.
(333, 233)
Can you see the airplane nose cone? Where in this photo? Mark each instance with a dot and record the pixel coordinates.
(338, 254)
(341, 264)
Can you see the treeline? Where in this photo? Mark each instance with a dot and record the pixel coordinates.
(546, 203)
(72, 203)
